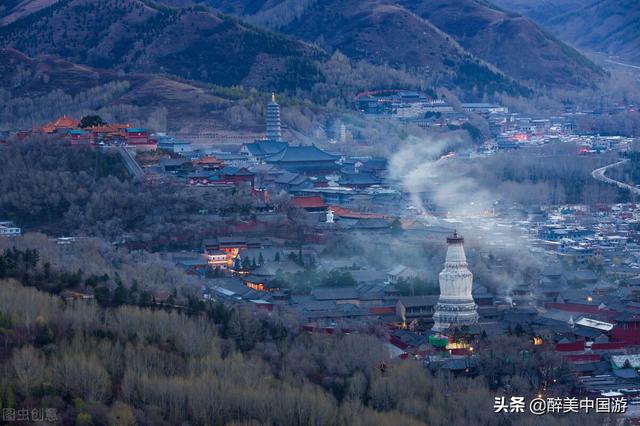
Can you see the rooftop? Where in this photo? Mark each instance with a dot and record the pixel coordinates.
(300, 153)
(307, 202)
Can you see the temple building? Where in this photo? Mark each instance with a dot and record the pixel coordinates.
(307, 160)
(60, 125)
(304, 159)
(274, 132)
(259, 150)
(456, 306)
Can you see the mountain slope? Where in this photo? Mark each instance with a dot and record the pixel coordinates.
(608, 26)
(12, 10)
(541, 10)
(45, 87)
(132, 35)
(512, 43)
(139, 36)
(379, 32)
(375, 33)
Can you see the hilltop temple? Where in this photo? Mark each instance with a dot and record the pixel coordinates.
(456, 306)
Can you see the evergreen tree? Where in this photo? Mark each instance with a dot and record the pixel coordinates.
(246, 263)
(91, 121)
(146, 299)
(120, 295)
(103, 295)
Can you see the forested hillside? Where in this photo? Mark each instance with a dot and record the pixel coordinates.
(415, 33)
(36, 90)
(132, 35)
(136, 36)
(125, 365)
(52, 187)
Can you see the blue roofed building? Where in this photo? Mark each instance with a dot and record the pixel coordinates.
(259, 150)
(174, 145)
(359, 180)
(304, 159)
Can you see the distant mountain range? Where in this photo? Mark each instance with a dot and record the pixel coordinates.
(434, 33)
(133, 35)
(467, 44)
(607, 26)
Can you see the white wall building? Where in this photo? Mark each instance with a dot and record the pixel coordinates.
(9, 229)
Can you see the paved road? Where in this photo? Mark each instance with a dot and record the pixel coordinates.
(623, 64)
(131, 164)
(599, 174)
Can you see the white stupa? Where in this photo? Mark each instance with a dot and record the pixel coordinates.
(330, 216)
(455, 306)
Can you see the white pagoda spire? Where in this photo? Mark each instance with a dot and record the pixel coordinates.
(455, 306)
(274, 131)
(330, 215)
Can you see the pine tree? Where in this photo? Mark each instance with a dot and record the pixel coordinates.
(120, 295)
(246, 263)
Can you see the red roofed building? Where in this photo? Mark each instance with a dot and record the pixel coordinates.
(579, 358)
(109, 132)
(80, 137)
(577, 346)
(60, 125)
(313, 203)
(382, 310)
(348, 214)
(627, 328)
(136, 136)
(208, 163)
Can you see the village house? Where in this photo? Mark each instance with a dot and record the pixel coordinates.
(399, 272)
(176, 146)
(9, 229)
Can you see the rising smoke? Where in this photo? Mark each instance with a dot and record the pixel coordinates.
(427, 168)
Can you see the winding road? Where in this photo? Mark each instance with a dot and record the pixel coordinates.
(599, 174)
